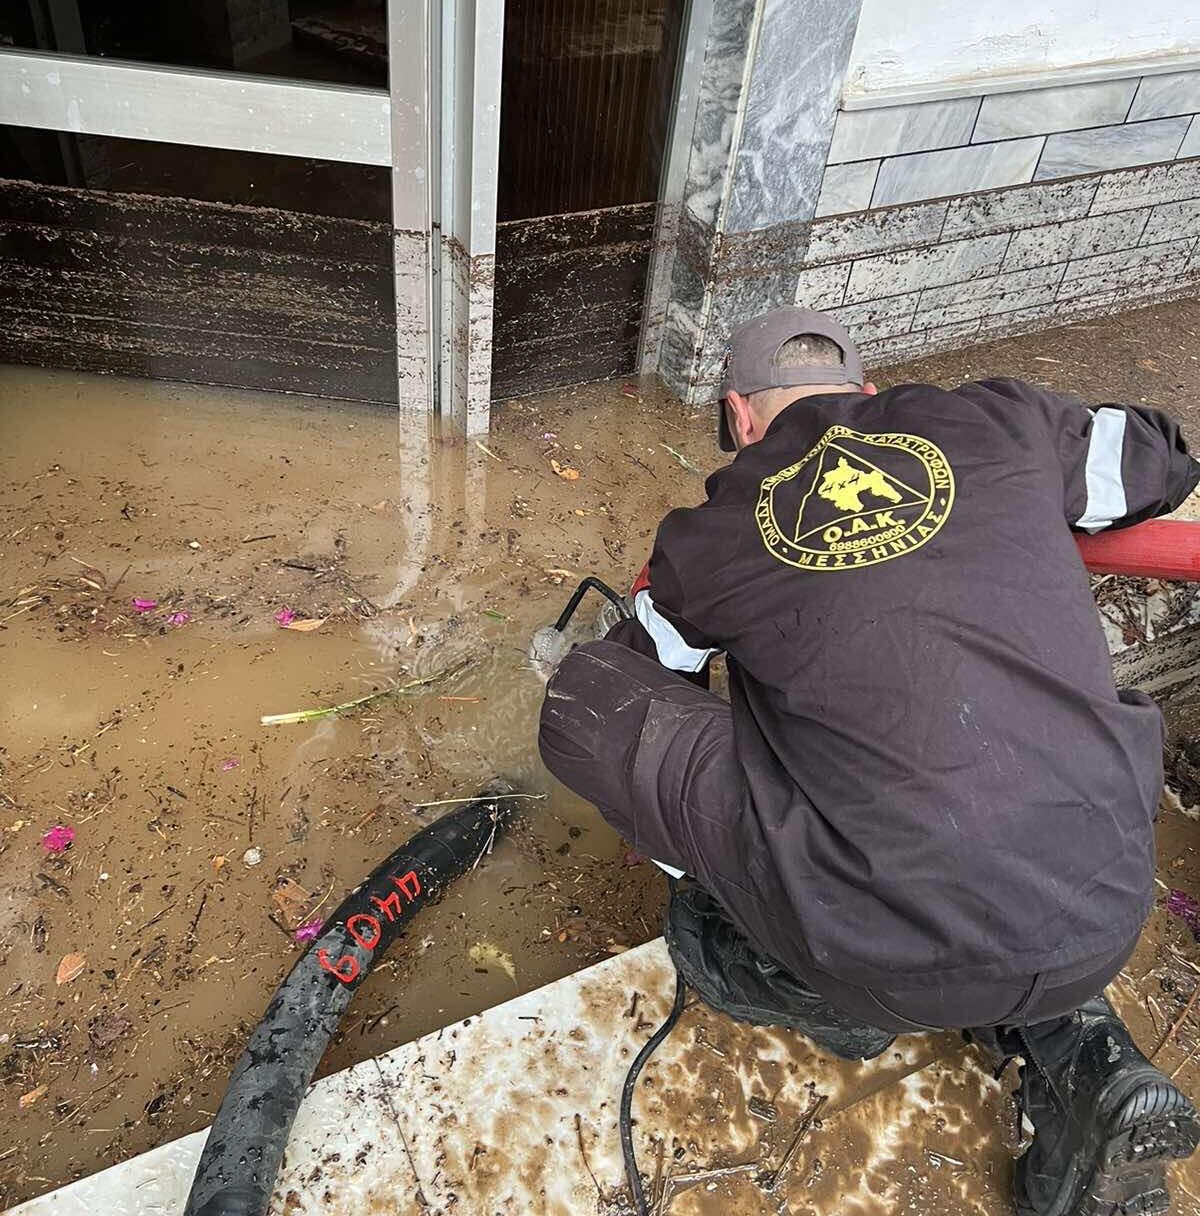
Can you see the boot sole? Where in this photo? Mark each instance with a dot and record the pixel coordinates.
(1153, 1125)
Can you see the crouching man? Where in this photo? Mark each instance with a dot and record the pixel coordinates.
(925, 805)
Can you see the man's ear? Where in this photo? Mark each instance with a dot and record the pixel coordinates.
(741, 419)
(869, 389)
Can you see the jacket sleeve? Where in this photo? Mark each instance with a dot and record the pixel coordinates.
(1121, 464)
(660, 627)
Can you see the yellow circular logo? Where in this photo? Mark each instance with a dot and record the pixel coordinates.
(855, 500)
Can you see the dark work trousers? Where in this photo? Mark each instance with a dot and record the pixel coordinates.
(639, 741)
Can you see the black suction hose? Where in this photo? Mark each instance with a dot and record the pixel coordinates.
(241, 1158)
(625, 1118)
(625, 1122)
(590, 583)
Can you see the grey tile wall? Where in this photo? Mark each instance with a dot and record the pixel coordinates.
(1120, 147)
(864, 134)
(982, 297)
(904, 179)
(943, 222)
(876, 232)
(879, 318)
(847, 187)
(966, 145)
(893, 273)
(801, 48)
(917, 278)
(1097, 103)
(1191, 141)
(1147, 187)
(1171, 221)
(822, 286)
(1164, 96)
(1052, 243)
(1129, 268)
(1026, 207)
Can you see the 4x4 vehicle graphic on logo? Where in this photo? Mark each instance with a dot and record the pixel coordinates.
(855, 500)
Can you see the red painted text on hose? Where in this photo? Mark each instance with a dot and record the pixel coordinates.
(366, 929)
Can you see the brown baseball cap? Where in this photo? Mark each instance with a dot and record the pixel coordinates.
(751, 358)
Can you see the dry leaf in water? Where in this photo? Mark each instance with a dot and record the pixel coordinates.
(307, 625)
(291, 899)
(565, 471)
(487, 955)
(27, 1100)
(71, 967)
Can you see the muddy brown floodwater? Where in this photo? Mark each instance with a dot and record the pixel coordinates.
(202, 838)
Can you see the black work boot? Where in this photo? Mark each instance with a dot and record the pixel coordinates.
(1106, 1121)
(715, 959)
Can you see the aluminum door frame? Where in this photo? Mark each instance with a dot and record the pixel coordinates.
(437, 127)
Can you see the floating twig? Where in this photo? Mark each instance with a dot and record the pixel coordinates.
(421, 806)
(329, 711)
(683, 460)
(1171, 1032)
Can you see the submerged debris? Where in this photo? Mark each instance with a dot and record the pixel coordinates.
(488, 955)
(313, 715)
(58, 839)
(309, 931)
(70, 967)
(291, 899)
(1181, 904)
(105, 1029)
(683, 460)
(305, 624)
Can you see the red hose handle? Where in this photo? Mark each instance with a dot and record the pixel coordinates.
(1159, 548)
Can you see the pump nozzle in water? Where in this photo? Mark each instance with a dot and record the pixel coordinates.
(550, 643)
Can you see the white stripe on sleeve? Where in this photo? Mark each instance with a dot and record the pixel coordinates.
(1105, 489)
(673, 651)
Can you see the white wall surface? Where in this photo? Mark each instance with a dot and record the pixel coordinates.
(905, 43)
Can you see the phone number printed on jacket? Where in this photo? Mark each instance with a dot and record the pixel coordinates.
(855, 500)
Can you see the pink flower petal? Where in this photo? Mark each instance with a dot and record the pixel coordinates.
(179, 618)
(58, 838)
(285, 616)
(310, 930)
(1181, 904)
(230, 764)
(141, 605)
(549, 434)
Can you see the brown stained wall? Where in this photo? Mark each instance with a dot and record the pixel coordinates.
(207, 292)
(568, 304)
